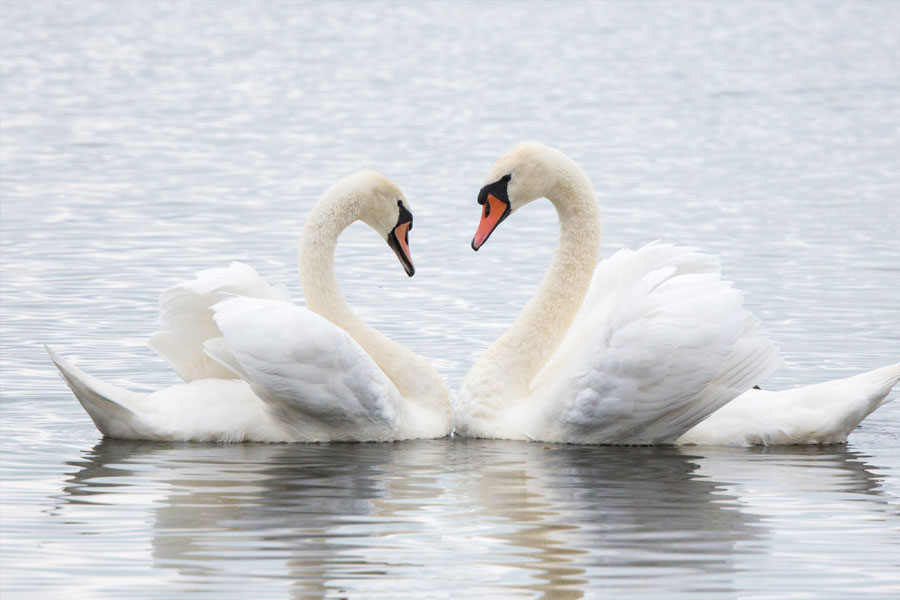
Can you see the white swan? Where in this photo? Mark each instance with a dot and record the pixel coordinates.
(259, 368)
(638, 350)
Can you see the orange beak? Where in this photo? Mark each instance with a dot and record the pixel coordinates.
(495, 210)
(398, 240)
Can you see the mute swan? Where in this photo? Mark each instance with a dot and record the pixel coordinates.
(638, 349)
(259, 368)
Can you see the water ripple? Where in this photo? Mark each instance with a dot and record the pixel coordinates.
(145, 141)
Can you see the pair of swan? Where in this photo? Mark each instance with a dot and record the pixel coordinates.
(649, 346)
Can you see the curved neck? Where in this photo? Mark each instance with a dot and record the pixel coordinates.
(412, 375)
(528, 344)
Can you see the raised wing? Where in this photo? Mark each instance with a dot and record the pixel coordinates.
(307, 369)
(659, 344)
(185, 312)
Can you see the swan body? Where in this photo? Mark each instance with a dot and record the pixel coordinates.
(645, 347)
(259, 368)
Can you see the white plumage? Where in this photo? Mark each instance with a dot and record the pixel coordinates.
(259, 368)
(648, 346)
(306, 369)
(186, 316)
(666, 345)
(822, 413)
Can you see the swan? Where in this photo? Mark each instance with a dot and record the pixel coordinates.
(260, 368)
(646, 347)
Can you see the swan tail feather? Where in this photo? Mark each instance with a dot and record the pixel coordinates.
(844, 403)
(821, 413)
(875, 388)
(109, 406)
(882, 379)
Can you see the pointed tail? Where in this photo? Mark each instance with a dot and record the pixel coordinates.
(821, 413)
(855, 398)
(107, 405)
(881, 381)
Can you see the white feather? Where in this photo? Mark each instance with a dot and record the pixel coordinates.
(641, 348)
(822, 413)
(185, 312)
(662, 348)
(205, 410)
(259, 368)
(307, 369)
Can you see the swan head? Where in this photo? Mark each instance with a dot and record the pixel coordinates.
(528, 172)
(375, 200)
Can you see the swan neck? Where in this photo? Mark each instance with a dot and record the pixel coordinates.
(315, 258)
(542, 324)
(413, 377)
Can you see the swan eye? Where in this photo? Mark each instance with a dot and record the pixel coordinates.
(405, 216)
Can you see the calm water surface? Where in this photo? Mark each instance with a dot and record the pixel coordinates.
(144, 141)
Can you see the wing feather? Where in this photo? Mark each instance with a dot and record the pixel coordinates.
(659, 343)
(302, 365)
(185, 312)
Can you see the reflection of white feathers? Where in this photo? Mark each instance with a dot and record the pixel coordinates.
(258, 368)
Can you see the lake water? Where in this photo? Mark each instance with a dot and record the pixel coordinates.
(144, 141)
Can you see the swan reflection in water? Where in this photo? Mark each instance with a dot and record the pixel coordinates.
(487, 517)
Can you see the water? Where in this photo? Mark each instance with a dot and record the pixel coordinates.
(144, 141)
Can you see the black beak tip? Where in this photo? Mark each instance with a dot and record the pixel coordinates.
(474, 247)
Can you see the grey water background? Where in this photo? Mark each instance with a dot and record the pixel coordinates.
(141, 142)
